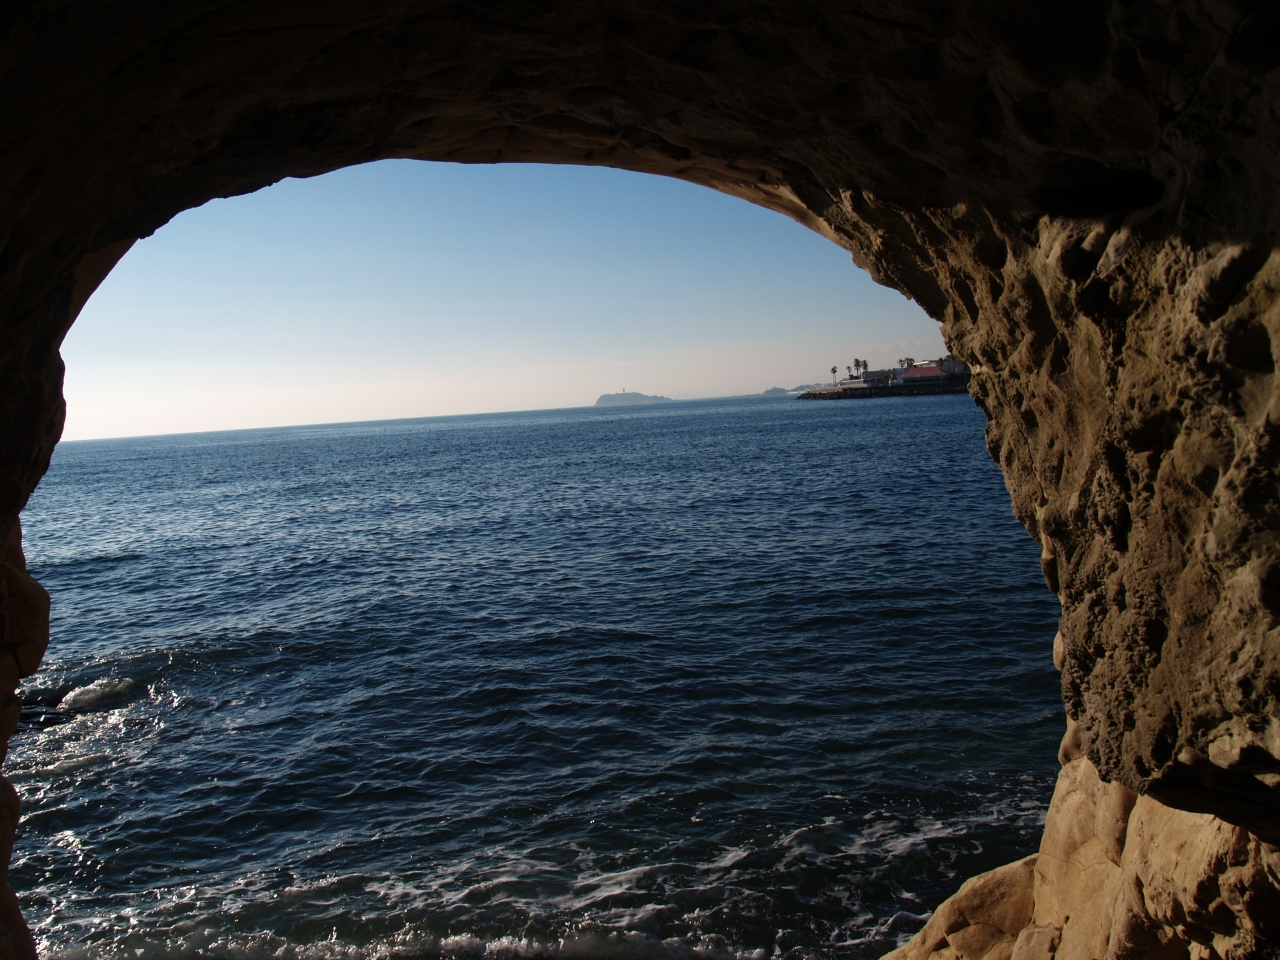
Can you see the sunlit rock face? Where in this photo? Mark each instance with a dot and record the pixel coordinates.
(1083, 193)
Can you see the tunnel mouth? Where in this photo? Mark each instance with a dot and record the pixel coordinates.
(472, 700)
(994, 170)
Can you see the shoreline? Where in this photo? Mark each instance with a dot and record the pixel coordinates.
(890, 390)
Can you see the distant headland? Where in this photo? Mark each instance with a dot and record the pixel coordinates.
(627, 399)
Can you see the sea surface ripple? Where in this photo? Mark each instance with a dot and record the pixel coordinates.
(716, 679)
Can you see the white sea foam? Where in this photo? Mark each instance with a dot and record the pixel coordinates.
(72, 764)
(201, 944)
(102, 691)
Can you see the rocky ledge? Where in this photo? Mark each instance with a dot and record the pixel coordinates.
(1118, 876)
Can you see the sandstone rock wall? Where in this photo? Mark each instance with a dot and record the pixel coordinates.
(1118, 877)
(1083, 193)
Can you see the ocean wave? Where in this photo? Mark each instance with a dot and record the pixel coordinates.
(667, 910)
(74, 764)
(74, 560)
(408, 945)
(102, 691)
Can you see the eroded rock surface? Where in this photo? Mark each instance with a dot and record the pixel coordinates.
(1083, 193)
(1119, 877)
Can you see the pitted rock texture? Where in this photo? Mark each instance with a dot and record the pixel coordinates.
(1083, 193)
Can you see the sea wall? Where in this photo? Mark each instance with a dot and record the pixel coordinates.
(1084, 195)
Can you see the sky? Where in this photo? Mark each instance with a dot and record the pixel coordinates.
(412, 289)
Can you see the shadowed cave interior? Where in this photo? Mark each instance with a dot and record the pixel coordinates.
(1084, 196)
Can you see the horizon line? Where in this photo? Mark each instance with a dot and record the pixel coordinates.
(440, 416)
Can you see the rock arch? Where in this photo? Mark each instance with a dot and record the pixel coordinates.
(1083, 193)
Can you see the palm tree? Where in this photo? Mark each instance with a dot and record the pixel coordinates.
(835, 372)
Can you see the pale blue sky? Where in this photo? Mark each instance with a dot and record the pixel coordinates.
(406, 289)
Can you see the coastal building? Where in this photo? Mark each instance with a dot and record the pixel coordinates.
(869, 378)
(912, 378)
(928, 370)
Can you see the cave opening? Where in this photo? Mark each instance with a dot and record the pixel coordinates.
(1083, 196)
(663, 679)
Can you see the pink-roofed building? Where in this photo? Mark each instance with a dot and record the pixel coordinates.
(923, 370)
(931, 370)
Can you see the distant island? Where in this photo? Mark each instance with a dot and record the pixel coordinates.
(624, 399)
(784, 392)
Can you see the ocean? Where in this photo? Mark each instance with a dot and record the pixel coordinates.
(746, 678)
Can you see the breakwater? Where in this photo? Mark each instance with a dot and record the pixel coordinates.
(889, 390)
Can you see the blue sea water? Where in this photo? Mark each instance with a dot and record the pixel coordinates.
(717, 679)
